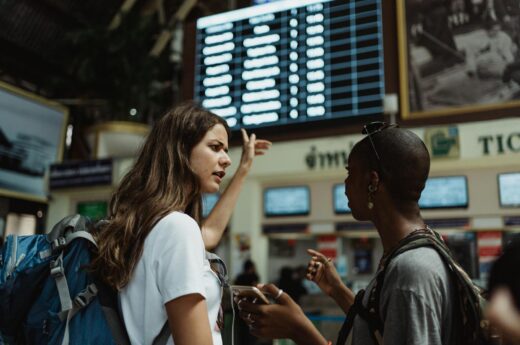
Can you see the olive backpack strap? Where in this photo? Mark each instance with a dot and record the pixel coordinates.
(346, 328)
(419, 238)
(470, 296)
(371, 313)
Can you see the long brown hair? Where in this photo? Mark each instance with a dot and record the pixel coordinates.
(160, 182)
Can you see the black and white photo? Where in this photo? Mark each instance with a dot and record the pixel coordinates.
(458, 56)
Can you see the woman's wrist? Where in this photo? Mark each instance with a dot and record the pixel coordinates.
(342, 293)
(305, 333)
(242, 171)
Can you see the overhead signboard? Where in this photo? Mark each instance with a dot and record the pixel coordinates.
(81, 174)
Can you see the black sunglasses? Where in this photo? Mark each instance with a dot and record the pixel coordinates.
(219, 267)
(373, 128)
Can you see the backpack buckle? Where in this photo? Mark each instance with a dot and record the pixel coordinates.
(85, 297)
(57, 268)
(58, 243)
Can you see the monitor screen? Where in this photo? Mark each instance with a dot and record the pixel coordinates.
(95, 210)
(509, 189)
(445, 192)
(290, 62)
(340, 199)
(208, 202)
(287, 201)
(31, 139)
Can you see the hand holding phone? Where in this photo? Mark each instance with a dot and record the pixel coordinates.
(250, 292)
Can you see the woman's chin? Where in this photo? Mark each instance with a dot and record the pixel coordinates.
(210, 189)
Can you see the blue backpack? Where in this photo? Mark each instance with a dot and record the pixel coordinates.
(47, 294)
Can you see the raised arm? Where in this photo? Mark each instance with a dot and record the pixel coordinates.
(214, 225)
(321, 271)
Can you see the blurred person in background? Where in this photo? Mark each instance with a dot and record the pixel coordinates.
(503, 309)
(248, 276)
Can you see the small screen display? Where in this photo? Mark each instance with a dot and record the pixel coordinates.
(340, 199)
(445, 192)
(95, 210)
(509, 189)
(208, 202)
(287, 201)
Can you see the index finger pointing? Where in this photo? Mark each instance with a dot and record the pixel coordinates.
(318, 255)
(245, 138)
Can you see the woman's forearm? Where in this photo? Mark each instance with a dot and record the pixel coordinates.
(307, 334)
(344, 297)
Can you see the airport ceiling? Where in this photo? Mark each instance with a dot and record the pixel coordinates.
(39, 37)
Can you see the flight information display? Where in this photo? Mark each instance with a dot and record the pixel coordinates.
(445, 192)
(287, 201)
(291, 62)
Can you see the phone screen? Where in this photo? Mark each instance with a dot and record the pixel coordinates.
(250, 292)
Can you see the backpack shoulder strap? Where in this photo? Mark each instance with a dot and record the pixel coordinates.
(471, 300)
(108, 299)
(419, 238)
(346, 328)
(357, 309)
(68, 229)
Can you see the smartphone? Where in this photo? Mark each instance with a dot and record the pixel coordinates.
(251, 292)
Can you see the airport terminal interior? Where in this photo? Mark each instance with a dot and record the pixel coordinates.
(82, 83)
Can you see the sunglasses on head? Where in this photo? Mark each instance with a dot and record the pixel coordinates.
(373, 128)
(219, 267)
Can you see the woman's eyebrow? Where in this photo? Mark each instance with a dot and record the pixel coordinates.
(220, 143)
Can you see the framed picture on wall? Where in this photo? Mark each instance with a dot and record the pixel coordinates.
(31, 138)
(458, 57)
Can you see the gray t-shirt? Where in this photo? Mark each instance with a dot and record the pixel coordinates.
(417, 302)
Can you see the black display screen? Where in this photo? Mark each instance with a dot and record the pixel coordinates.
(290, 62)
(287, 201)
(445, 192)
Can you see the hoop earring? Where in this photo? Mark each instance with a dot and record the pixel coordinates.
(371, 190)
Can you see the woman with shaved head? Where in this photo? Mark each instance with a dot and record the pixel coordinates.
(417, 301)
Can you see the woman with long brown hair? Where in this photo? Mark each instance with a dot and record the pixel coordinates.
(152, 250)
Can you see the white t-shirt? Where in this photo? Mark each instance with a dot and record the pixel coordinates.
(173, 264)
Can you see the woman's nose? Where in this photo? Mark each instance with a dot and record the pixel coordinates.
(225, 161)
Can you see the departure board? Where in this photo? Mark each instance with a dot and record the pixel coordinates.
(291, 62)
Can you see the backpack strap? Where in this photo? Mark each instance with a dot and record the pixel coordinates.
(80, 301)
(61, 235)
(57, 271)
(370, 313)
(471, 299)
(348, 324)
(71, 236)
(357, 309)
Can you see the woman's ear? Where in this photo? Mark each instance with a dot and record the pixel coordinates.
(374, 180)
